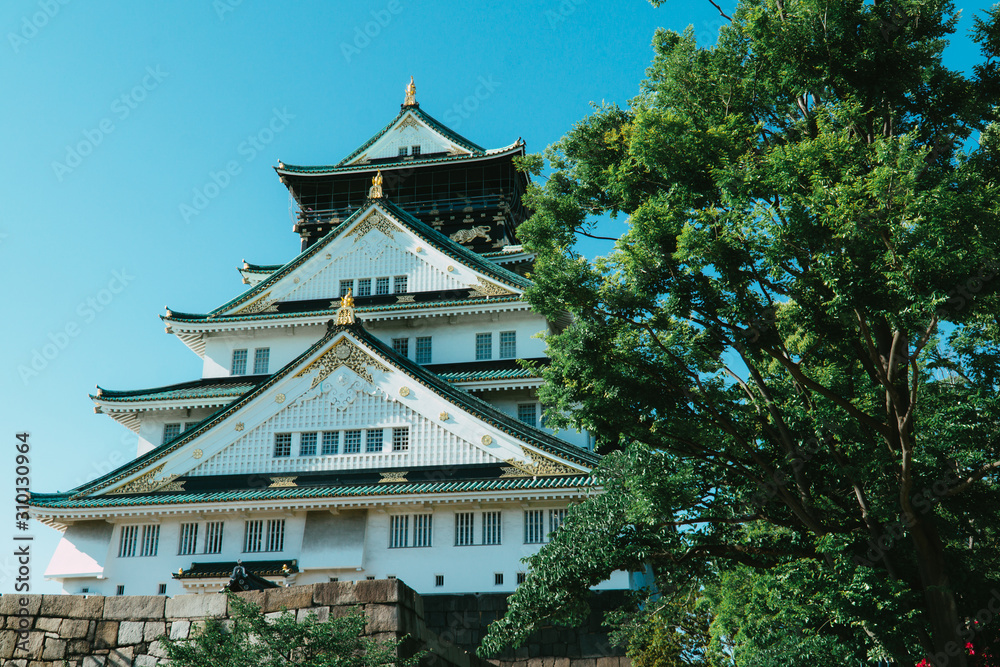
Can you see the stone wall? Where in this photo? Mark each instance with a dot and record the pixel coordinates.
(93, 631)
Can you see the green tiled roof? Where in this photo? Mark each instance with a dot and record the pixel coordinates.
(184, 390)
(454, 250)
(482, 376)
(62, 501)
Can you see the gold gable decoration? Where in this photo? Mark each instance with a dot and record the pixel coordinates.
(261, 305)
(374, 220)
(409, 121)
(392, 477)
(147, 483)
(344, 353)
(282, 482)
(540, 466)
(487, 289)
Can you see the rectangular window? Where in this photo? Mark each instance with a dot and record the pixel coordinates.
(521, 576)
(365, 287)
(307, 444)
(399, 285)
(345, 287)
(424, 350)
(261, 359)
(498, 578)
(508, 344)
(401, 346)
(491, 527)
(171, 431)
(189, 539)
(415, 150)
(282, 444)
(484, 346)
(533, 527)
(422, 530)
(120, 590)
(352, 442)
(373, 440)
(188, 426)
(253, 536)
(556, 518)
(400, 439)
(382, 286)
(126, 542)
(439, 580)
(239, 362)
(331, 441)
(213, 537)
(150, 540)
(275, 535)
(399, 531)
(527, 413)
(463, 528)
(161, 589)
(403, 151)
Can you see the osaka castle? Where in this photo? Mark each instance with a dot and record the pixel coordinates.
(362, 412)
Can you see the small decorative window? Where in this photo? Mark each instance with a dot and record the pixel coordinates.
(307, 444)
(345, 287)
(464, 522)
(126, 541)
(213, 537)
(373, 440)
(491, 527)
(521, 576)
(399, 531)
(189, 539)
(352, 442)
(484, 346)
(527, 413)
(365, 287)
(403, 151)
(534, 531)
(275, 535)
(424, 350)
(439, 580)
(400, 439)
(150, 540)
(401, 346)
(120, 590)
(381, 286)
(508, 344)
(239, 366)
(253, 536)
(171, 431)
(498, 578)
(422, 530)
(556, 518)
(282, 444)
(331, 441)
(399, 284)
(261, 359)
(161, 589)
(415, 150)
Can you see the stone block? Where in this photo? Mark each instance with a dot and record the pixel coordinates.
(48, 624)
(334, 593)
(134, 607)
(322, 614)
(11, 604)
(106, 635)
(180, 629)
(562, 662)
(129, 632)
(78, 647)
(34, 646)
(377, 590)
(94, 661)
(156, 649)
(607, 661)
(74, 628)
(152, 630)
(121, 657)
(73, 606)
(381, 618)
(8, 642)
(252, 597)
(196, 606)
(54, 649)
(585, 662)
(295, 597)
(145, 661)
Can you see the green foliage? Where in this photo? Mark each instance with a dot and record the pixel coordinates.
(792, 357)
(249, 639)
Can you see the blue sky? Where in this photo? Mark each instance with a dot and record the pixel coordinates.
(114, 119)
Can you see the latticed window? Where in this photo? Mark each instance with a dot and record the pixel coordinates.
(491, 527)
(556, 518)
(189, 539)
(307, 444)
(171, 431)
(401, 346)
(400, 439)
(331, 441)
(415, 150)
(365, 287)
(213, 537)
(521, 576)
(498, 578)
(126, 541)
(261, 360)
(345, 287)
(464, 522)
(382, 285)
(150, 540)
(399, 284)
(399, 531)
(403, 151)
(239, 366)
(373, 440)
(275, 540)
(508, 344)
(534, 526)
(253, 536)
(352, 442)
(422, 530)
(282, 444)
(484, 346)
(424, 350)
(528, 413)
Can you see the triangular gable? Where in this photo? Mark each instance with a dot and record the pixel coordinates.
(412, 127)
(346, 366)
(430, 260)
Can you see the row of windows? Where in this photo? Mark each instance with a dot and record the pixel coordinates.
(484, 345)
(405, 530)
(364, 286)
(411, 150)
(401, 346)
(171, 431)
(374, 439)
(261, 360)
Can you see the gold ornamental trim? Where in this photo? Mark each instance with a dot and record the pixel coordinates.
(148, 483)
(344, 353)
(409, 121)
(261, 305)
(374, 220)
(281, 482)
(392, 477)
(540, 466)
(487, 289)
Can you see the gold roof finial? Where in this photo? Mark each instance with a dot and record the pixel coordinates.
(411, 95)
(375, 191)
(345, 315)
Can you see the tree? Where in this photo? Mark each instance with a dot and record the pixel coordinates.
(249, 639)
(792, 356)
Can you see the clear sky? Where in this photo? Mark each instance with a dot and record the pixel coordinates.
(115, 116)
